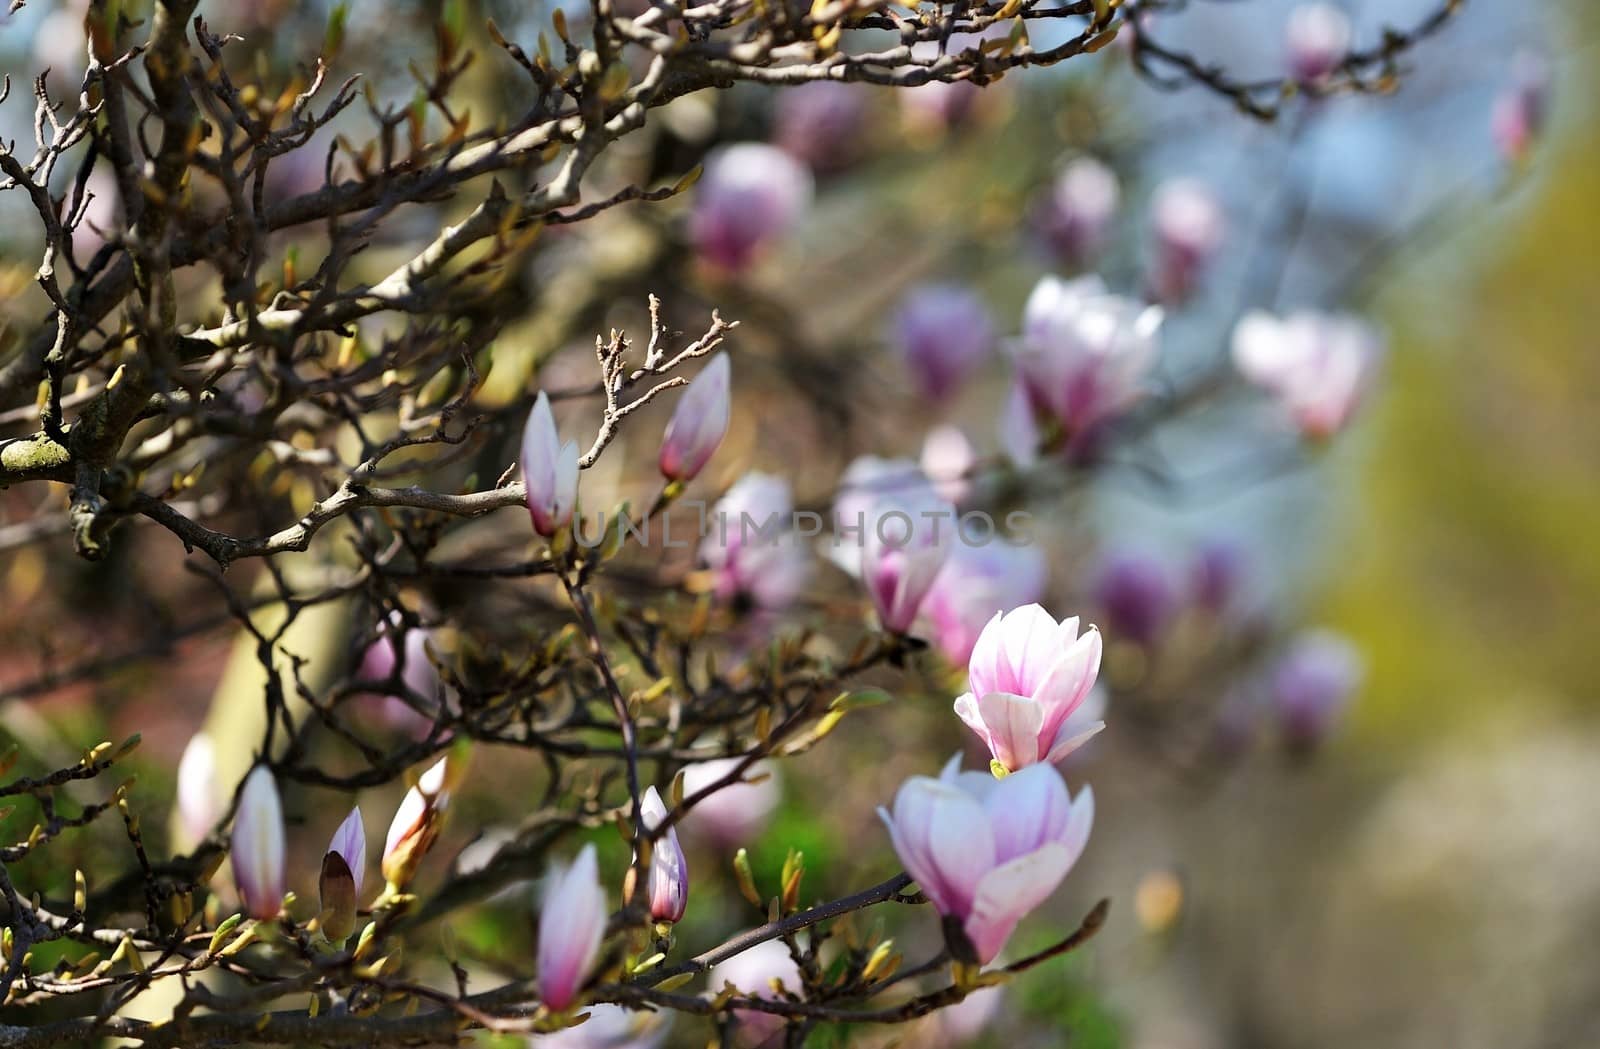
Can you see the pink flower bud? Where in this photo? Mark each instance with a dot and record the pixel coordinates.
(1318, 366)
(1317, 39)
(949, 460)
(258, 847)
(1312, 685)
(752, 973)
(344, 867)
(549, 469)
(942, 332)
(1519, 112)
(756, 561)
(199, 807)
(1137, 595)
(1188, 228)
(910, 535)
(974, 584)
(988, 852)
(1076, 212)
(669, 871)
(750, 195)
(418, 675)
(698, 425)
(1216, 575)
(572, 924)
(1027, 675)
(1084, 352)
(417, 821)
(821, 123)
(737, 813)
(350, 842)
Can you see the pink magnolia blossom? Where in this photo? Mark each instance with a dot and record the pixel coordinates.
(572, 924)
(350, 842)
(737, 813)
(1189, 229)
(948, 460)
(755, 559)
(752, 972)
(1312, 684)
(549, 469)
(1075, 214)
(1137, 594)
(750, 195)
(1027, 675)
(199, 807)
(910, 536)
(975, 583)
(698, 425)
(1520, 110)
(1317, 38)
(418, 674)
(821, 123)
(344, 866)
(668, 885)
(258, 846)
(1084, 352)
(417, 821)
(942, 333)
(988, 852)
(1318, 366)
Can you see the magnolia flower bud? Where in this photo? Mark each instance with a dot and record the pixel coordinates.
(572, 924)
(1188, 229)
(257, 845)
(976, 582)
(1311, 686)
(1520, 111)
(986, 853)
(942, 332)
(750, 195)
(698, 425)
(1076, 212)
(1216, 575)
(549, 469)
(1137, 596)
(417, 821)
(752, 973)
(669, 871)
(821, 123)
(344, 868)
(909, 535)
(1027, 676)
(757, 562)
(949, 459)
(1317, 39)
(199, 807)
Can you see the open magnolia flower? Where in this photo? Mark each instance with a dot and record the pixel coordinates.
(987, 851)
(1027, 675)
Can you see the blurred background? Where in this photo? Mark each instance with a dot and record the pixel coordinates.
(1431, 874)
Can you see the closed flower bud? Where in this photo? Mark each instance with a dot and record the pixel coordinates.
(949, 460)
(909, 535)
(1136, 593)
(417, 821)
(1520, 111)
(668, 883)
(986, 853)
(757, 562)
(344, 868)
(1318, 366)
(1027, 676)
(821, 123)
(698, 425)
(1317, 39)
(549, 470)
(750, 195)
(199, 808)
(572, 924)
(1312, 685)
(1188, 228)
(257, 845)
(1076, 211)
(942, 332)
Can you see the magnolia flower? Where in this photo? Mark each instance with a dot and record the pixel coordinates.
(750, 195)
(257, 847)
(698, 425)
(975, 583)
(572, 923)
(1317, 39)
(1520, 111)
(820, 123)
(986, 852)
(1027, 675)
(396, 643)
(1018, 428)
(1136, 593)
(752, 972)
(1317, 365)
(736, 813)
(866, 481)
(948, 460)
(1188, 227)
(1312, 684)
(199, 807)
(910, 537)
(1215, 575)
(344, 868)
(549, 469)
(754, 558)
(1076, 213)
(609, 1027)
(1084, 351)
(942, 332)
(669, 871)
(417, 821)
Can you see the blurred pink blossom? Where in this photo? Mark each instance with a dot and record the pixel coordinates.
(975, 584)
(1136, 592)
(257, 846)
(1076, 212)
(1316, 39)
(821, 123)
(609, 1027)
(734, 814)
(1318, 366)
(752, 972)
(949, 460)
(572, 924)
(698, 424)
(1312, 684)
(199, 806)
(909, 537)
(750, 195)
(942, 332)
(1520, 111)
(755, 560)
(1189, 229)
